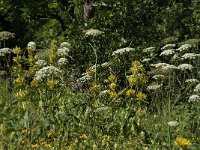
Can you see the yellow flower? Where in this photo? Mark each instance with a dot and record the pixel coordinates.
(95, 88)
(83, 137)
(52, 84)
(17, 50)
(142, 78)
(34, 145)
(112, 94)
(52, 58)
(132, 81)
(134, 70)
(47, 145)
(31, 60)
(141, 96)
(32, 70)
(182, 142)
(20, 94)
(34, 83)
(49, 134)
(24, 131)
(112, 78)
(130, 92)
(19, 81)
(113, 85)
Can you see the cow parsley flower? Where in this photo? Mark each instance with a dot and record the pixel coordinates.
(159, 65)
(104, 92)
(194, 98)
(146, 60)
(40, 63)
(149, 49)
(63, 51)
(197, 88)
(47, 72)
(184, 47)
(31, 45)
(4, 51)
(65, 44)
(154, 87)
(93, 32)
(189, 56)
(62, 61)
(122, 50)
(192, 81)
(169, 67)
(167, 52)
(172, 123)
(158, 76)
(168, 46)
(185, 67)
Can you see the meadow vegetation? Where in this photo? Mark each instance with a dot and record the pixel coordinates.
(101, 84)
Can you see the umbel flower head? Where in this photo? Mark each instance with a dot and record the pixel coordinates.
(4, 51)
(122, 51)
(65, 44)
(93, 32)
(194, 98)
(31, 45)
(47, 72)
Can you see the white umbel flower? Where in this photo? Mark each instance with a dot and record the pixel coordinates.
(31, 45)
(185, 67)
(149, 49)
(188, 56)
(168, 46)
(184, 47)
(159, 65)
(153, 87)
(63, 51)
(192, 81)
(194, 98)
(158, 76)
(65, 44)
(93, 32)
(197, 88)
(46, 72)
(146, 60)
(62, 61)
(172, 123)
(167, 52)
(40, 63)
(122, 50)
(106, 64)
(4, 51)
(169, 67)
(104, 92)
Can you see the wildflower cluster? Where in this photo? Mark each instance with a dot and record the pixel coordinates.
(5, 51)
(136, 80)
(122, 51)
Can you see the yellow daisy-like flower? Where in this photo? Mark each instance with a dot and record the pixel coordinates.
(182, 142)
(112, 94)
(112, 78)
(132, 81)
(52, 83)
(31, 61)
(130, 92)
(19, 80)
(34, 145)
(141, 96)
(95, 88)
(113, 85)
